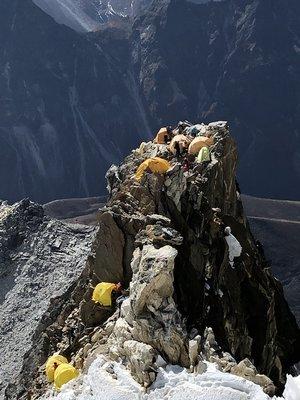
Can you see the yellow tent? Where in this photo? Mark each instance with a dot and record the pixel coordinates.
(182, 140)
(204, 155)
(160, 137)
(64, 373)
(102, 293)
(50, 365)
(199, 142)
(156, 165)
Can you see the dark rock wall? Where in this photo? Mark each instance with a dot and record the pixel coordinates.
(41, 263)
(244, 304)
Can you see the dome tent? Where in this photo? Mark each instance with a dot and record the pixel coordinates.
(160, 137)
(50, 365)
(182, 140)
(102, 293)
(198, 143)
(156, 165)
(64, 373)
(204, 155)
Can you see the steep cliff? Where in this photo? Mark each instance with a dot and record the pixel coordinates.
(277, 225)
(244, 305)
(193, 296)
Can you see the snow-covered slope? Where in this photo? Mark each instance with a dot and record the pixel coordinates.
(111, 381)
(72, 13)
(89, 15)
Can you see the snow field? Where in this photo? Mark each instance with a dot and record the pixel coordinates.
(111, 381)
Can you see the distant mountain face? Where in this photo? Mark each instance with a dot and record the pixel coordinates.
(236, 60)
(70, 102)
(277, 225)
(66, 106)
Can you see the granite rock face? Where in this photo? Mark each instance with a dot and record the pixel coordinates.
(189, 302)
(244, 305)
(41, 261)
(150, 321)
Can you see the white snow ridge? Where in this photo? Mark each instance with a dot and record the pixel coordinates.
(111, 381)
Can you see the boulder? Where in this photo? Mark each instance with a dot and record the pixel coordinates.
(108, 259)
(150, 315)
(247, 370)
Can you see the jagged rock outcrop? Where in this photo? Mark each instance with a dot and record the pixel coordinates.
(151, 324)
(244, 305)
(190, 301)
(41, 261)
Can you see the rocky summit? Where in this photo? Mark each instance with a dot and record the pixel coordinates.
(200, 288)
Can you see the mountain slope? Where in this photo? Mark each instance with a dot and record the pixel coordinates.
(67, 106)
(74, 103)
(34, 252)
(277, 226)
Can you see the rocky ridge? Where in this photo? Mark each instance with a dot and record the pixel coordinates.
(164, 237)
(175, 218)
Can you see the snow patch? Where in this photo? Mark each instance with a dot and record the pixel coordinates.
(292, 388)
(89, 15)
(235, 248)
(172, 383)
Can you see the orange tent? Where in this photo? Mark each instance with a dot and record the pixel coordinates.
(198, 143)
(182, 140)
(160, 137)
